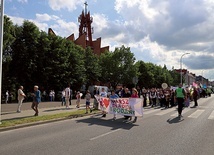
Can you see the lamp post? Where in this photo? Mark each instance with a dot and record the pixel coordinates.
(1, 47)
(202, 78)
(181, 65)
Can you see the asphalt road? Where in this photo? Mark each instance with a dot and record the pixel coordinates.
(158, 132)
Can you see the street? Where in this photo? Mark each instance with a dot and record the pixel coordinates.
(158, 132)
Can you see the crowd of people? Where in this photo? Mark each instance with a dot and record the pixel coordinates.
(154, 97)
(158, 97)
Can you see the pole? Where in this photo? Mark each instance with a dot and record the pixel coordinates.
(202, 78)
(181, 66)
(1, 48)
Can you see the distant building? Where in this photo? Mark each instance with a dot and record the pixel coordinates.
(85, 34)
(202, 80)
(187, 77)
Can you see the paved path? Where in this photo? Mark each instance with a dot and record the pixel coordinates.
(8, 111)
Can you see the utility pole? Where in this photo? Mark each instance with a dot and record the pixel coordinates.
(1, 48)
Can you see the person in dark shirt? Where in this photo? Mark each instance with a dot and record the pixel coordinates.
(126, 94)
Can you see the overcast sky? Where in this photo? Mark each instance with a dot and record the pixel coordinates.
(157, 31)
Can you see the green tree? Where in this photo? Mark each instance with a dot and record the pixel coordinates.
(8, 39)
(92, 67)
(118, 66)
(24, 54)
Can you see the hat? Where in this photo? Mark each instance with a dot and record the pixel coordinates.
(135, 90)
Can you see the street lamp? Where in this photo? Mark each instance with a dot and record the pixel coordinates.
(1, 47)
(181, 65)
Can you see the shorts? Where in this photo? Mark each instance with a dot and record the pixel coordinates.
(87, 103)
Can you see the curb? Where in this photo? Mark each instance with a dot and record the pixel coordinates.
(45, 122)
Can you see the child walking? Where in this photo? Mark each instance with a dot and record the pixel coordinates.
(78, 99)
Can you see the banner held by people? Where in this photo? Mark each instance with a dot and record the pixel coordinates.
(121, 106)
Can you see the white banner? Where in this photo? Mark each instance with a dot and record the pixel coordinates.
(121, 106)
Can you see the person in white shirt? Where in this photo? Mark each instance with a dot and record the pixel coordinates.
(6, 96)
(53, 95)
(21, 96)
(63, 97)
(67, 96)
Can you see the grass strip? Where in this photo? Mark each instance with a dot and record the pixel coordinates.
(31, 119)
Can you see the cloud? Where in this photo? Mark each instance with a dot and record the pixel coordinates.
(100, 22)
(17, 20)
(45, 21)
(43, 17)
(65, 29)
(161, 31)
(22, 1)
(200, 62)
(46, 17)
(171, 23)
(70, 5)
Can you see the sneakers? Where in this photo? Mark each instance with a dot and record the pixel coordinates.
(86, 112)
(90, 110)
(18, 111)
(135, 120)
(180, 115)
(114, 118)
(36, 114)
(104, 115)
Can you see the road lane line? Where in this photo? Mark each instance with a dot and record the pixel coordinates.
(151, 111)
(211, 115)
(163, 112)
(183, 112)
(105, 134)
(196, 114)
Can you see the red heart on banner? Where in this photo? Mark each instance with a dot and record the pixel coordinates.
(106, 102)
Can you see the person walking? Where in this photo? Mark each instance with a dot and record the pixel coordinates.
(67, 96)
(63, 97)
(88, 98)
(71, 96)
(78, 96)
(51, 95)
(6, 96)
(21, 96)
(36, 100)
(103, 93)
(113, 96)
(180, 97)
(153, 96)
(126, 94)
(96, 93)
(144, 94)
(134, 95)
(195, 97)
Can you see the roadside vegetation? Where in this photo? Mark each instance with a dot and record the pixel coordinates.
(33, 119)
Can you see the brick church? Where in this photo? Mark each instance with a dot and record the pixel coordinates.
(85, 34)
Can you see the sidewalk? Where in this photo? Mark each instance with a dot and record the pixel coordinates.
(8, 111)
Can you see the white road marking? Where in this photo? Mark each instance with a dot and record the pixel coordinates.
(196, 114)
(151, 111)
(183, 112)
(163, 112)
(211, 115)
(105, 134)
